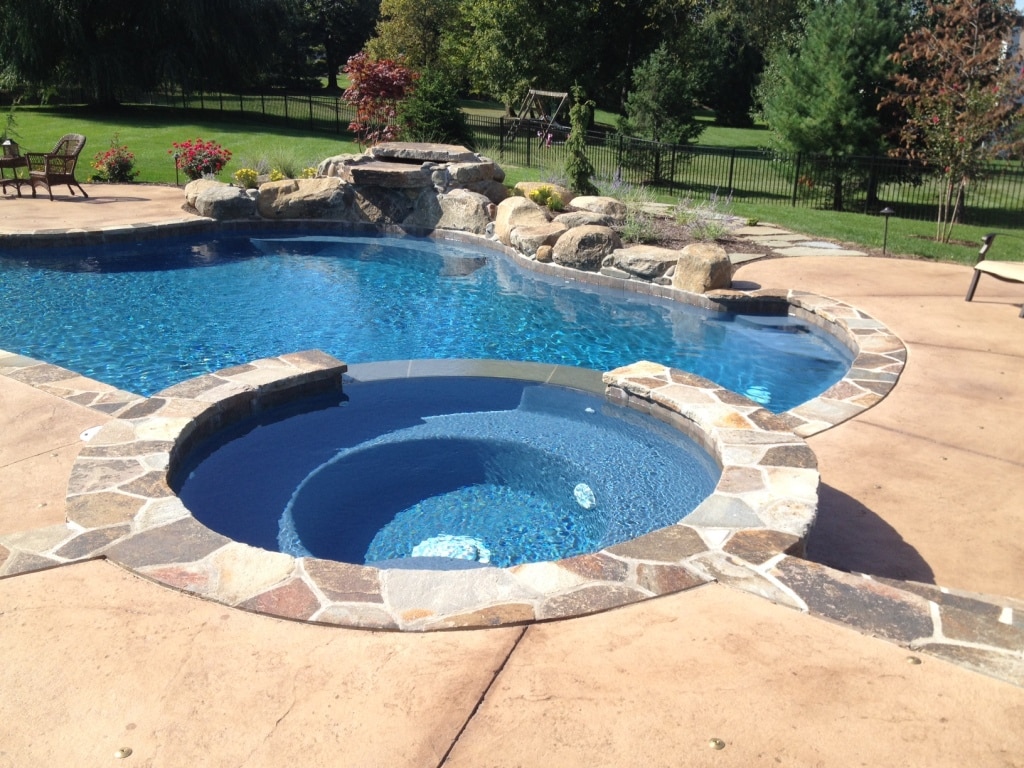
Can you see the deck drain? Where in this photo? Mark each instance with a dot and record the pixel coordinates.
(122, 753)
(716, 744)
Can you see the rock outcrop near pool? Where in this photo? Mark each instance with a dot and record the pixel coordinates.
(418, 186)
(426, 187)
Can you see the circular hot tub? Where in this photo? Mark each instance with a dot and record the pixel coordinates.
(434, 494)
(444, 471)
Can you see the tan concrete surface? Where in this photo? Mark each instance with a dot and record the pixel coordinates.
(107, 205)
(928, 484)
(95, 659)
(39, 441)
(650, 685)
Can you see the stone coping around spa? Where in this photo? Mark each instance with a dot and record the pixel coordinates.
(120, 506)
(879, 355)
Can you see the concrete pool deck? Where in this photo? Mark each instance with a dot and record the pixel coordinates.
(925, 486)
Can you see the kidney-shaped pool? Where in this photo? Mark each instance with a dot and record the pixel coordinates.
(147, 315)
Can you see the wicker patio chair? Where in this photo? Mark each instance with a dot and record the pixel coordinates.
(58, 166)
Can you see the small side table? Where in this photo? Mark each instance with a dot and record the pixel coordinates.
(14, 163)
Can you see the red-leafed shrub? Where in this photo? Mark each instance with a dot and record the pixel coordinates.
(377, 86)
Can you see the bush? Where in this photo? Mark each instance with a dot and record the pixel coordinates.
(246, 178)
(431, 112)
(705, 221)
(547, 196)
(116, 165)
(199, 158)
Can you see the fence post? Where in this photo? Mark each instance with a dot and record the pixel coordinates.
(202, 101)
(310, 97)
(337, 116)
(501, 136)
(796, 177)
(286, 106)
(732, 164)
(529, 163)
(263, 104)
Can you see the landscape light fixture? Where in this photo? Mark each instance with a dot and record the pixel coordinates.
(887, 212)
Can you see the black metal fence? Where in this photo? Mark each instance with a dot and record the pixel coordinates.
(857, 184)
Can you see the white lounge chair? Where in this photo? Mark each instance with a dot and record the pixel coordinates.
(1007, 271)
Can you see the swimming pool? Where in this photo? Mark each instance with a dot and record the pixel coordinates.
(494, 471)
(144, 316)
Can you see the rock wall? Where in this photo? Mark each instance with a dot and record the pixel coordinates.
(423, 187)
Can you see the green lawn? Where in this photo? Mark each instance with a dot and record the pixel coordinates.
(149, 133)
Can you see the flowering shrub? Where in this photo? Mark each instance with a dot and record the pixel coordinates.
(197, 158)
(246, 178)
(116, 165)
(309, 173)
(549, 197)
(276, 174)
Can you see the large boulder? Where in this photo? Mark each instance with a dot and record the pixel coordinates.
(607, 206)
(327, 198)
(527, 240)
(702, 267)
(217, 200)
(581, 218)
(647, 262)
(517, 212)
(387, 205)
(406, 151)
(333, 166)
(464, 211)
(464, 174)
(492, 189)
(585, 247)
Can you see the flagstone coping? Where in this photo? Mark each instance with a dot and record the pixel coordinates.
(120, 507)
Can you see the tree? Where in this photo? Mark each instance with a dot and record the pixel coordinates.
(495, 43)
(662, 103)
(962, 93)
(377, 86)
(823, 97)
(335, 30)
(736, 36)
(412, 30)
(431, 111)
(578, 167)
(111, 47)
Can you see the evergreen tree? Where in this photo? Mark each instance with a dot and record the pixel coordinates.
(578, 168)
(823, 97)
(662, 104)
(431, 111)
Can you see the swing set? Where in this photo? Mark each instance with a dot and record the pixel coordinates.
(534, 116)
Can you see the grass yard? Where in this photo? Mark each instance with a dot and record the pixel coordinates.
(150, 132)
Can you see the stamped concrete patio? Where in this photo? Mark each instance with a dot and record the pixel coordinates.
(925, 487)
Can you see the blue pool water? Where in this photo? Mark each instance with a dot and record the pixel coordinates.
(146, 316)
(470, 470)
